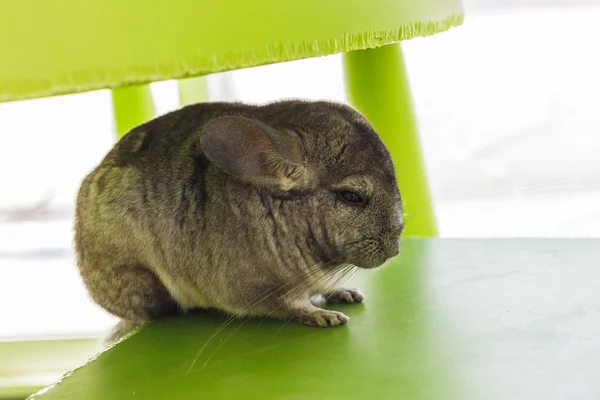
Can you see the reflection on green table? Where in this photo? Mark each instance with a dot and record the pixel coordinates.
(446, 320)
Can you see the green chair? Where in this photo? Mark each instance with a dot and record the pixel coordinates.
(65, 46)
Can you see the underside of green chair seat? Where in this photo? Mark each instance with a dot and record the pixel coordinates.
(68, 46)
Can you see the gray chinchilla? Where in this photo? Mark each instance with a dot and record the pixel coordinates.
(251, 210)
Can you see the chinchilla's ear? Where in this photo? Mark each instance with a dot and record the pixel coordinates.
(256, 153)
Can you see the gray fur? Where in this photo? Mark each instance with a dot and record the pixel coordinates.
(160, 227)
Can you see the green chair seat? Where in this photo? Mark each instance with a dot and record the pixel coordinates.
(68, 46)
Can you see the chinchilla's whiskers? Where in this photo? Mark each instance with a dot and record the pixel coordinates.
(334, 275)
(304, 274)
(346, 268)
(332, 262)
(305, 286)
(413, 213)
(339, 276)
(210, 356)
(356, 253)
(407, 219)
(263, 296)
(301, 287)
(227, 322)
(357, 250)
(336, 278)
(346, 273)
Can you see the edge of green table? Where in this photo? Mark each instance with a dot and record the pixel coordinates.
(29, 365)
(451, 319)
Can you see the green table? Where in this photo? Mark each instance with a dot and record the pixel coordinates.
(448, 319)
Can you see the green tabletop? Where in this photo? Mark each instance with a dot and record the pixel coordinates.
(448, 319)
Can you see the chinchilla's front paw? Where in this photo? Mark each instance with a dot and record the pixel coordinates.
(344, 295)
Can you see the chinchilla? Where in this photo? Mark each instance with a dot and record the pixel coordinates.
(252, 210)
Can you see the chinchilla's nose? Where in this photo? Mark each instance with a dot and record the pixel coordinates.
(396, 228)
(392, 246)
(400, 227)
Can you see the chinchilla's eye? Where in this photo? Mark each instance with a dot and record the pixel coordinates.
(350, 197)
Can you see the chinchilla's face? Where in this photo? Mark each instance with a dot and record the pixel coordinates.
(361, 213)
(357, 199)
(327, 159)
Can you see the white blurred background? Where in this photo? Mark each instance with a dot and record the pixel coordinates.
(508, 111)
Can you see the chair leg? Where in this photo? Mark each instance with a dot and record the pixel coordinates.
(132, 106)
(192, 90)
(377, 85)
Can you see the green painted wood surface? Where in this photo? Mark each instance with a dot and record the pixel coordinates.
(66, 46)
(448, 319)
(378, 86)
